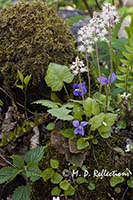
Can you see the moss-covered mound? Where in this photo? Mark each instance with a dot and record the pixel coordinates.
(31, 36)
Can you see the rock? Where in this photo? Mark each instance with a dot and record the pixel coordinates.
(67, 13)
(126, 22)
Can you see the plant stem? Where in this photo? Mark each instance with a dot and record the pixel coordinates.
(66, 91)
(111, 52)
(99, 70)
(88, 8)
(107, 96)
(89, 81)
(81, 87)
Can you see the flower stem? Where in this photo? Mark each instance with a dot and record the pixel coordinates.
(81, 87)
(107, 89)
(99, 70)
(89, 81)
(66, 91)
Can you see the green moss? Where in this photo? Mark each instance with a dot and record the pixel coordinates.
(31, 36)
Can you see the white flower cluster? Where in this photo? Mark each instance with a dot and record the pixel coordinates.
(78, 66)
(97, 28)
(109, 15)
(125, 96)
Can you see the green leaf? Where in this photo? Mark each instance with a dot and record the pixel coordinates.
(27, 79)
(87, 105)
(47, 103)
(130, 182)
(1, 103)
(57, 75)
(56, 191)
(54, 163)
(91, 186)
(70, 191)
(68, 133)
(22, 192)
(95, 108)
(50, 126)
(8, 174)
(115, 180)
(56, 178)
(61, 113)
(82, 144)
(18, 161)
(20, 86)
(34, 155)
(64, 185)
(47, 174)
(81, 180)
(20, 75)
(110, 118)
(33, 172)
(96, 121)
(104, 134)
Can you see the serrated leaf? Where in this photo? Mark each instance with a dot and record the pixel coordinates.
(18, 161)
(115, 180)
(64, 185)
(82, 144)
(47, 174)
(56, 178)
(70, 191)
(22, 192)
(56, 191)
(34, 155)
(47, 103)
(61, 113)
(56, 76)
(54, 163)
(33, 172)
(8, 174)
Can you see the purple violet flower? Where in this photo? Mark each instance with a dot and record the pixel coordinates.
(79, 127)
(104, 81)
(79, 89)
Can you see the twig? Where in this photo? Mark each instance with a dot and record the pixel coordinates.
(123, 196)
(98, 5)
(88, 8)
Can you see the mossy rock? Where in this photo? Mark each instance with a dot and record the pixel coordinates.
(31, 36)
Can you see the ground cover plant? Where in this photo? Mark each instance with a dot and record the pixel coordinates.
(79, 144)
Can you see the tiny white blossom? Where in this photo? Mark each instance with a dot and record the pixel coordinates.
(109, 15)
(78, 66)
(125, 96)
(129, 145)
(56, 198)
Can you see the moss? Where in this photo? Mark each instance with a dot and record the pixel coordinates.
(31, 36)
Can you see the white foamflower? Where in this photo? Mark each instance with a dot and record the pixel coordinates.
(109, 15)
(91, 33)
(125, 96)
(78, 66)
(56, 198)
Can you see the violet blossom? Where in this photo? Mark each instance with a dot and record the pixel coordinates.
(104, 80)
(79, 127)
(79, 89)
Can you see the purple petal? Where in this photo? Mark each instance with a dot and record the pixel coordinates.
(76, 92)
(103, 80)
(83, 123)
(75, 86)
(113, 78)
(77, 131)
(81, 131)
(75, 123)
